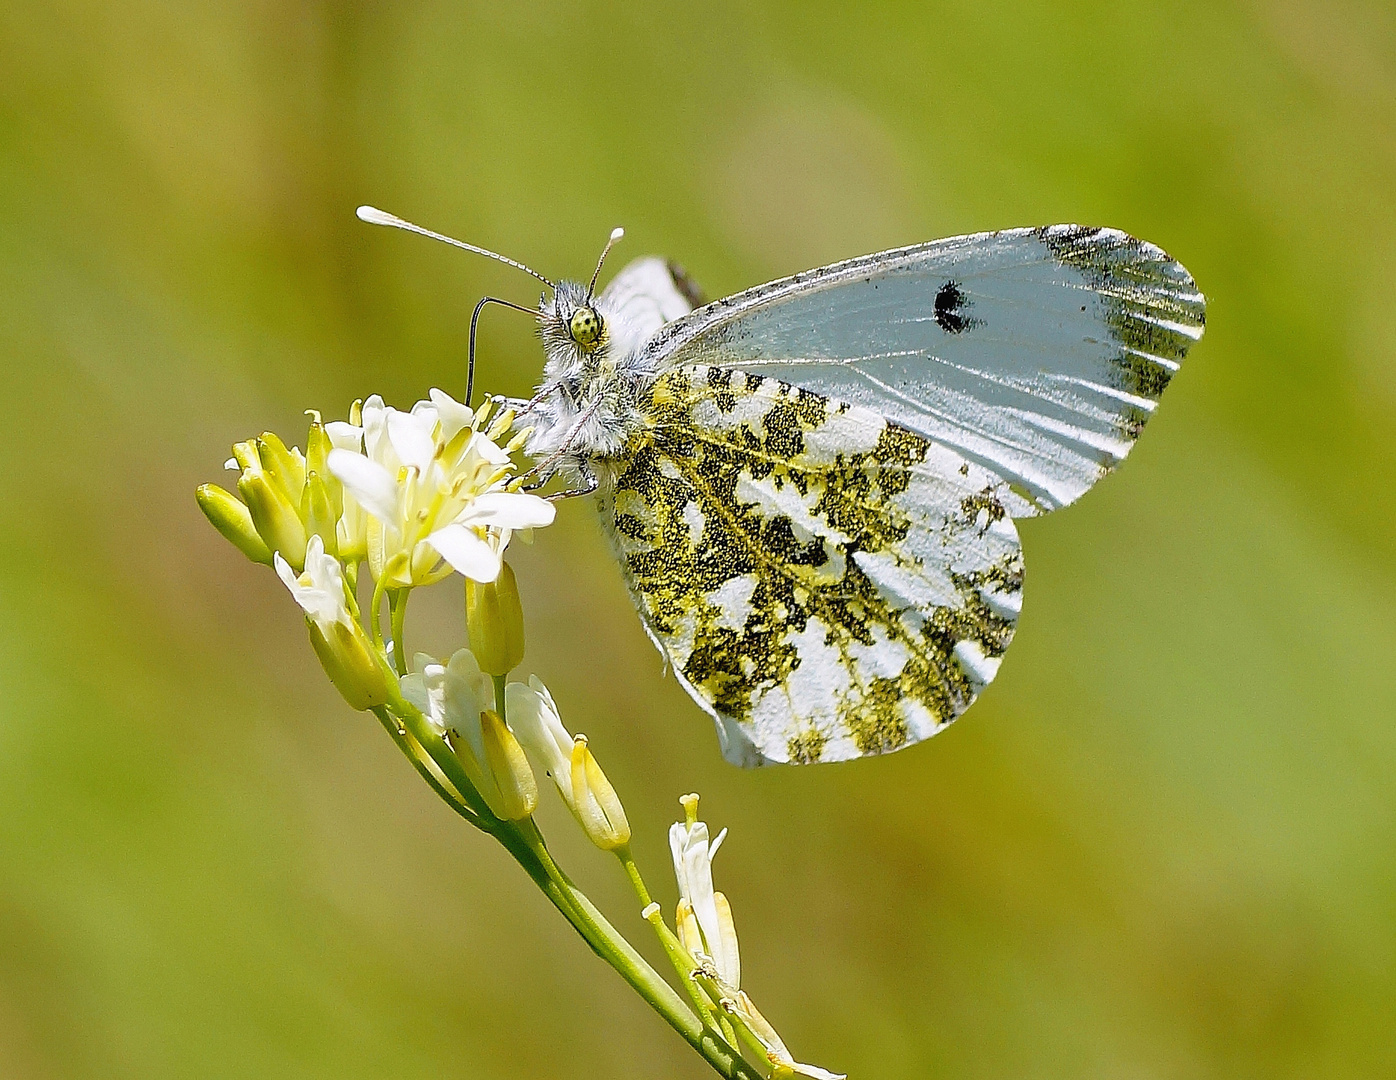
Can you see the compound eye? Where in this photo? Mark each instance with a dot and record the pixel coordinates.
(585, 326)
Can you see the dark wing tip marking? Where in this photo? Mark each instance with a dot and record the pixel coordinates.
(1152, 305)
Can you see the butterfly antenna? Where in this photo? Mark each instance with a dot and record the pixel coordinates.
(616, 234)
(475, 322)
(374, 216)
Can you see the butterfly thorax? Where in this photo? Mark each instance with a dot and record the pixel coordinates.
(589, 402)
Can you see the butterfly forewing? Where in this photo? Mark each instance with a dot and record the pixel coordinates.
(1035, 353)
(827, 583)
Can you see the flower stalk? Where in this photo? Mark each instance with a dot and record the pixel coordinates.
(413, 497)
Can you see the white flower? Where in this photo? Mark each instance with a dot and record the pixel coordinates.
(319, 588)
(706, 930)
(716, 936)
(345, 652)
(569, 761)
(457, 698)
(434, 486)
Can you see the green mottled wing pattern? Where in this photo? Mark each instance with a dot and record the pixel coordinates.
(827, 583)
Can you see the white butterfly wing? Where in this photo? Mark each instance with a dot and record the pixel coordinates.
(1037, 354)
(826, 584)
(644, 296)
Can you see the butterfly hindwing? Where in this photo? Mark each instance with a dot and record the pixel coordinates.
(1037, 353)
(827, 583)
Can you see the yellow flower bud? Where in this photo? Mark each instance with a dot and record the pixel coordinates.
(284, 468)
(277, 519)
(518, 790)
(318, 512)
(494, 622)
(687, 925)
(596, 804)
(245, 454)
(230, 516)
(348, 659)
(553, 752)
(317, 444)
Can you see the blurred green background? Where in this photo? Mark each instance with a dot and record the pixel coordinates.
(1162, 845)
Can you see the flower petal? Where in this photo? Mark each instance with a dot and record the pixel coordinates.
(451, 413)
(285, 573)
(411, 437)
(367, 481)
(534, 721)
(375, 420)
(814, 1072)
(345, 436)
(414, 689)
(323, 570)
(320, 589)
(469, 692)
(466, 553)
(484, 447)
(510, 510)
(465, 669)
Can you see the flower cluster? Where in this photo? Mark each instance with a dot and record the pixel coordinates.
(434, 489)
(413, 495)
(416, 496)
(502, 759)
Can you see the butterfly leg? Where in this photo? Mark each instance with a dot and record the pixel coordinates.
(589, 480)
(521, 407)
(544, 468)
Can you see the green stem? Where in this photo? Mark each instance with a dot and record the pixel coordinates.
(379, 587)
(607, 942)
(397, 608)
(673, 947)
(523, 841)
(499, 695)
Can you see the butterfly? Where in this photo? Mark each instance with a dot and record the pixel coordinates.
(810, 486)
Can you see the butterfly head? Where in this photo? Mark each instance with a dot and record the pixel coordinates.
(585, 327)
(573, 319)
(572, 323)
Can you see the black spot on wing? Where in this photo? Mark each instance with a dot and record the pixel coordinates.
(949, 304)
(720, 382)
